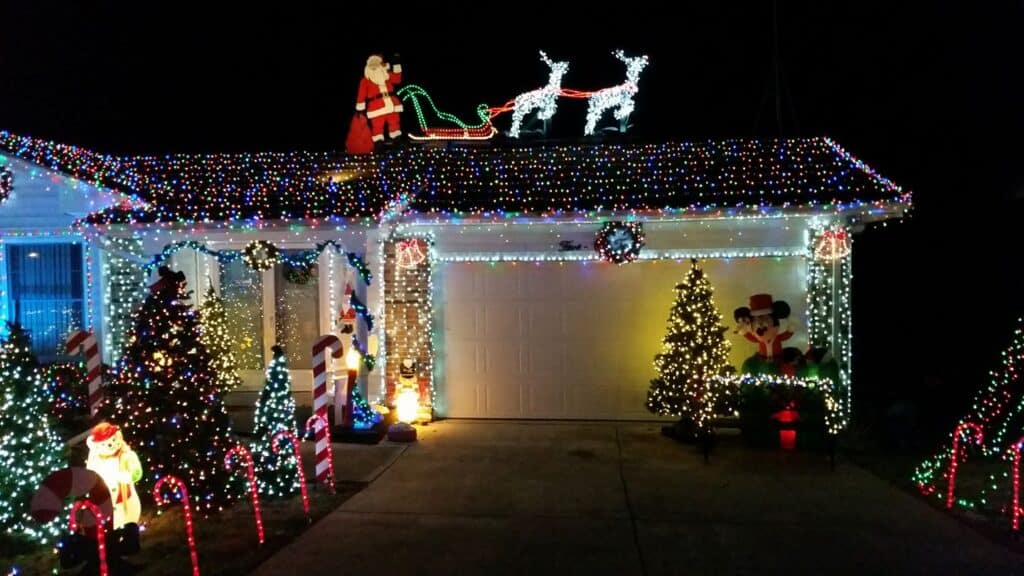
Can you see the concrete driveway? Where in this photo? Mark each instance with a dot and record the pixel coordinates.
(608, 498)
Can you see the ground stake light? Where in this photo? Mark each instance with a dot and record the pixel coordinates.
(246, 458)
(158, 497)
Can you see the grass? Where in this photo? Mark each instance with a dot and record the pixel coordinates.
(226, 543)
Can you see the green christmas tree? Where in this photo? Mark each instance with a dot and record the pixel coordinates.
(693, 351)
(214, 335)
(166, 400)
(275, 411)
(29, 448)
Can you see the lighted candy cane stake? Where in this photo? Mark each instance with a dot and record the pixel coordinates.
(318, 423)
(81, 340)
(250, 474)
(160, 501)
(954, 461)
(101, 544)
(323, 435)
(1016, 483)
(298, 460)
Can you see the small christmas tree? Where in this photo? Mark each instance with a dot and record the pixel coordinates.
(275, 411)
(693, 351)
(166, 400)
(29, 448)
(214, 324)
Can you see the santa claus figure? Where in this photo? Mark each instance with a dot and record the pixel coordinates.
(377, 97)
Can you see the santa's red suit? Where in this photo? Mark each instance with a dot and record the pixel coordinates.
(377, 98)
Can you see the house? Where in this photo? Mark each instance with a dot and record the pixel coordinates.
(484, 270)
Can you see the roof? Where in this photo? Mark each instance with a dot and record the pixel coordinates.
(500, 180)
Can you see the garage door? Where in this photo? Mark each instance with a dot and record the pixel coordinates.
(575, 340)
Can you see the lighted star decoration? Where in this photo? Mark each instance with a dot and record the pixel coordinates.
(832, 245)
(410, 253)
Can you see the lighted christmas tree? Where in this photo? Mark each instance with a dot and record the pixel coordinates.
(693, 351)
(998, 409)
(166, 400)
(214, 335)
(29, 448)
(275, 411)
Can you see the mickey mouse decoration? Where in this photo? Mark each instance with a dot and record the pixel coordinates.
(760, 324)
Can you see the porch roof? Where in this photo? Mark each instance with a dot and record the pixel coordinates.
(544, 179)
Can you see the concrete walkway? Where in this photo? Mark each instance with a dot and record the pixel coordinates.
(606, 498)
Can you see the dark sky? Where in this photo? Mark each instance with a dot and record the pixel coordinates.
(928, 94)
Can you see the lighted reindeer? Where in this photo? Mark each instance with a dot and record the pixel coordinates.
(618, 97)
(543, 99)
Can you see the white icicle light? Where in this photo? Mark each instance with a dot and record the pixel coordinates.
(618, 97)
(543, 99)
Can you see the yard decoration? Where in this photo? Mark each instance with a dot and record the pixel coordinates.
(332, 345)
(82, 341)
(114, 460)
(324, 458)
(275, 443)
(760, 324)
(279, 476)
(954, 462)
(1016, 484)
(377, 101)
(243, 455)
(213, 318)
(787, 418)
(261, 255)
(70, 483)
(693, 351)
(100, 520)
(186, 507)
(620, 242)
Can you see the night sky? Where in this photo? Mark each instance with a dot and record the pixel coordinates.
(928, 95)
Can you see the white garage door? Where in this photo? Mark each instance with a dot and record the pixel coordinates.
(575, 340)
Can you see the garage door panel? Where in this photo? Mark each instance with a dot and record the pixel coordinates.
(578, 340)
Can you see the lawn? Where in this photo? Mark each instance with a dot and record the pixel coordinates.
(226, 542)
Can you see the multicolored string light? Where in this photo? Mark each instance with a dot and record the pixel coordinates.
(242, 454)
(275, 443)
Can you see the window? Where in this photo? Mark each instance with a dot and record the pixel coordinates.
(297, 313)
(46, 293)
(242, 291)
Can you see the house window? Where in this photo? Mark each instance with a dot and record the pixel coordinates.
(242, 291)
(46, 293)
(297, 319)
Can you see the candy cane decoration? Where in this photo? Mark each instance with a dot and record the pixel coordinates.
(319, 423)
(101, 544)
(70, 483)
(1016, 483)
(954, 461)
(77, 342)
(250, 474)
(323, 440)
(183, 492)
(298, 460)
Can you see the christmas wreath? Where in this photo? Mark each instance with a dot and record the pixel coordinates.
(6, 183)
(261, 255)
(620, 242)
(299, 273)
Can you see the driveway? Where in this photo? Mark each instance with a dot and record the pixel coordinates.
(612, 498)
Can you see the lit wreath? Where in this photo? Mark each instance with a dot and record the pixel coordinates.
(261, 255)
(620, 242)
(6, 183)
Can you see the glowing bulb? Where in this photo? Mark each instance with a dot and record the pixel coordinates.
(407, 405)
(352, 358)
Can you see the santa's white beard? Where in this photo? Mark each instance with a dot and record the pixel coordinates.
(376, 74)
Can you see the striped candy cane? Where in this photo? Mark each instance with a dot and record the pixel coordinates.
(323, 435)
(79, 341)
(318, 423)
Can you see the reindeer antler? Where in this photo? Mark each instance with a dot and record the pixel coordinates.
(545, 59)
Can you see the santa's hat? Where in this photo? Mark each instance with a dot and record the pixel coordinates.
(103, 431)
(761, 305)
(375, 60)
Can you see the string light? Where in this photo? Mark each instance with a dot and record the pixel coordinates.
(1015, 511)
(29, 448)
(620, 242)
(954, 461)
(186, 506)
(836, 419)
(463, 131)
(617, 98)
(101, 544)
(242, 453)
(275, 444)
(6, 183)
(693, 351)
(544, 99)
(279, 476)
(164, 396)
(215, 335)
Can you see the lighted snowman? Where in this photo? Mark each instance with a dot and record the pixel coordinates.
(118, 465)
